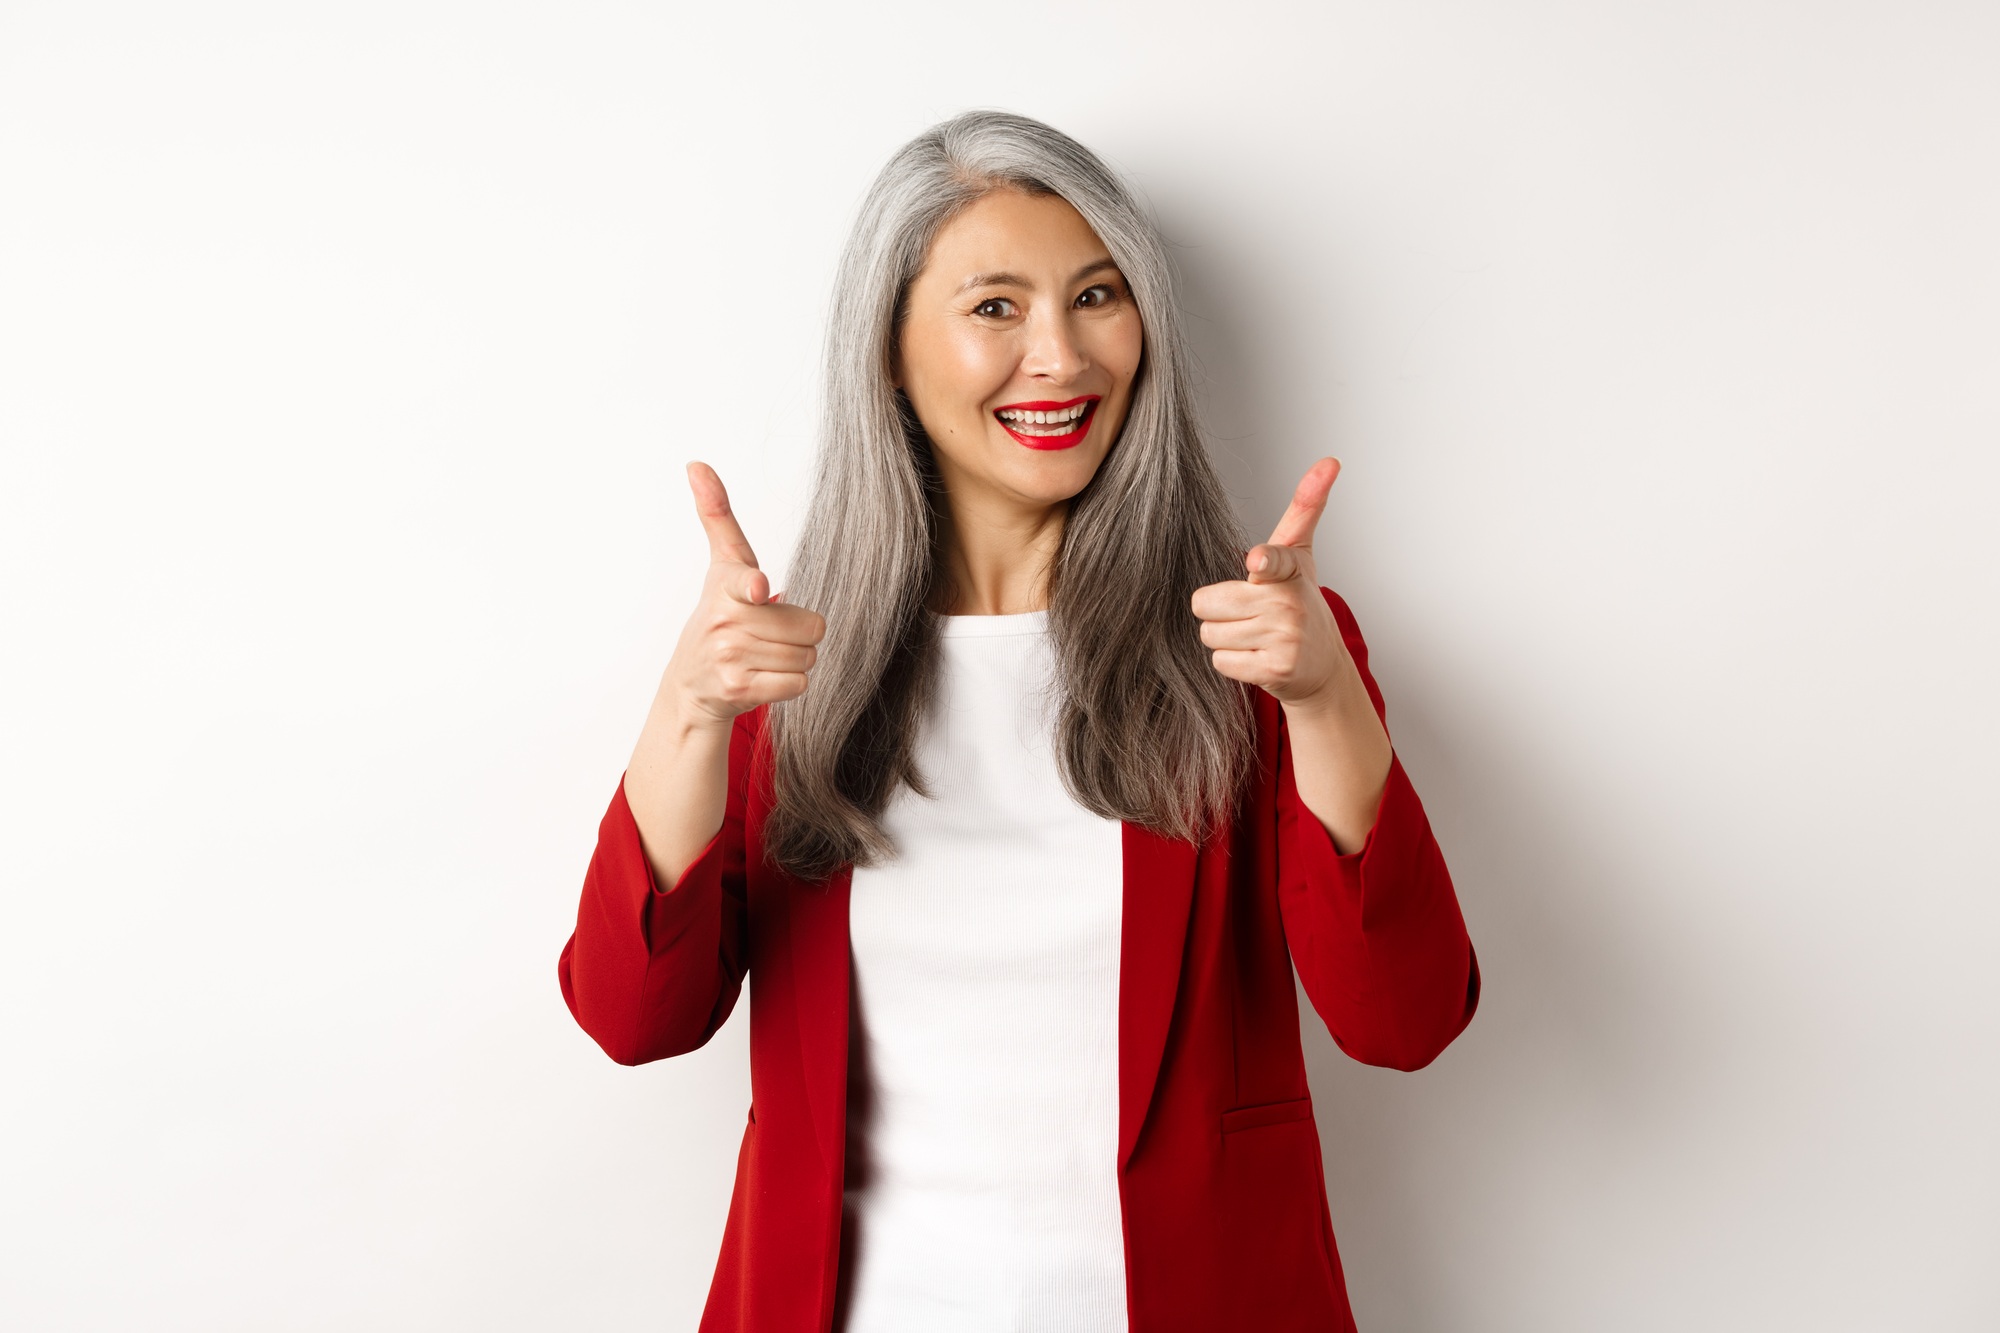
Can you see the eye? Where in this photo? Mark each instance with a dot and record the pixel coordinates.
(1102, 294)
(994, 307)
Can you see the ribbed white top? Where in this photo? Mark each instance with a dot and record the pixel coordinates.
(983, 1109)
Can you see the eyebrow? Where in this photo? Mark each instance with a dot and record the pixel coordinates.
(1016, 280)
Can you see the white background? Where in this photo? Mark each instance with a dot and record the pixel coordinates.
(349, 360)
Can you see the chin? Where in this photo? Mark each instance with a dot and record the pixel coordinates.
(1052, 479)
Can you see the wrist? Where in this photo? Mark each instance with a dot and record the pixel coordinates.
(683, 718)
(1334, 700)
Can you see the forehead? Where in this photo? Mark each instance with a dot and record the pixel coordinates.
(1039, 237)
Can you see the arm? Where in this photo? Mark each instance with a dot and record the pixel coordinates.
(1370, 916)
(653, 971)
(739, 650)
(1375, 931)
(658, 955)
(1340, 750)
(1277, 630)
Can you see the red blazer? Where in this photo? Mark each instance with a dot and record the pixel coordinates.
(1219, 1172)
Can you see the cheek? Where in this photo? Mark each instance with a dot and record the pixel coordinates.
(1121, 345)
(1117, 348)
(952, 373)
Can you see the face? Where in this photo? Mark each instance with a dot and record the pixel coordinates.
(1019, 351)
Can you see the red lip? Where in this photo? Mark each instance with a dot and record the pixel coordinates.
(1069, 441)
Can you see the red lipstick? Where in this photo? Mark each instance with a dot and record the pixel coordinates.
(1069, 439)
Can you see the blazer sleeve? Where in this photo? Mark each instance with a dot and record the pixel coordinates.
(651, 973)
(1376, 934)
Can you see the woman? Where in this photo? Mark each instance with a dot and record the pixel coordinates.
(1022, 873)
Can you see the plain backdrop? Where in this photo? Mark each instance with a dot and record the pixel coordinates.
(350, 356)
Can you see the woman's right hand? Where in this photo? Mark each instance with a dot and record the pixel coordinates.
(742, 647)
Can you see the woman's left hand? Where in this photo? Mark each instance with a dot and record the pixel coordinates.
(1274, 629)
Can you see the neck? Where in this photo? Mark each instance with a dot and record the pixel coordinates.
(997, 557)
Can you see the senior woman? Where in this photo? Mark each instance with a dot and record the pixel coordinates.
(1018, 808)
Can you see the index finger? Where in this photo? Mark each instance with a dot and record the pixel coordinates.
(711, 503)
(1308, 503)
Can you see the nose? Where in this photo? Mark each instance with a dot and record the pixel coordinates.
(1052, 352)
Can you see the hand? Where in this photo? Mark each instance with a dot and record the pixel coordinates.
(1274, 629)
(741, 647)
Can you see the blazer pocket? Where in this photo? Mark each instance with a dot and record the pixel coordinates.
(1270, 1113)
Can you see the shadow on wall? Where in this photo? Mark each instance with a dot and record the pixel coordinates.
(1442, 1179)
(1439, 1179)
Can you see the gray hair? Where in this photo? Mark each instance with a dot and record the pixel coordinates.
(1146, 730)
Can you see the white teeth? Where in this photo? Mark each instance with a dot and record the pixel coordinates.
(1057, 417)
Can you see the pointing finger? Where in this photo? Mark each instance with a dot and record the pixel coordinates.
(1275, 564)
(742, 583)
(1308, 503)
(711, 502)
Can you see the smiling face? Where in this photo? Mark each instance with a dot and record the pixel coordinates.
(1019, 351)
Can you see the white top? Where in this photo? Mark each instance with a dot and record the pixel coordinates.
(982, 1181)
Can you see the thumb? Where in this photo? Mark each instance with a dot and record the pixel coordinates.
(1275, 564)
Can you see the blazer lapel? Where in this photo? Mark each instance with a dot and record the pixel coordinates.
(1159, 879)
(820, 975)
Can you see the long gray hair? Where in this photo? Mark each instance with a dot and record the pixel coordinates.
(1147, 730)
